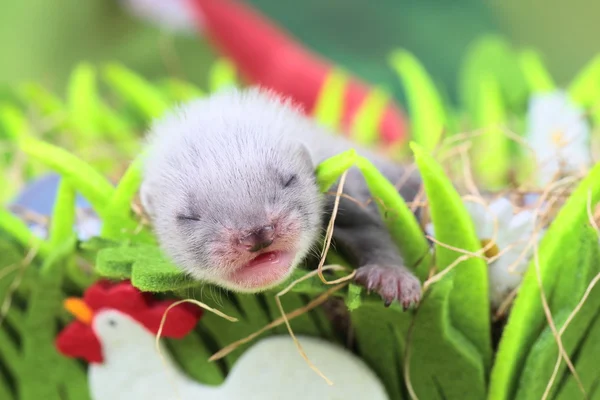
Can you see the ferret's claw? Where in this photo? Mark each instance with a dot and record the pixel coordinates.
(392, 283)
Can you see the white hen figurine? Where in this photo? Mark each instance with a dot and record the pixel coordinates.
(116, 329)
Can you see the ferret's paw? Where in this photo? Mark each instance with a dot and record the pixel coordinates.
(391, 282)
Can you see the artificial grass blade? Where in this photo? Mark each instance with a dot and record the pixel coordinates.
(584, 88)
(426, 107)
(144, 96)
(527, 315)
(536, 75)
(491, 153)
(222, 74)
(84, 178)
(469, 304)
(63, 214)
(83, 102)
(180, 91)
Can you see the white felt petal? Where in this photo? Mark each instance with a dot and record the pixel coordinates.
(554, 114)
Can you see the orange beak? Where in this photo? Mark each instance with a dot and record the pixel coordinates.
(79, 309)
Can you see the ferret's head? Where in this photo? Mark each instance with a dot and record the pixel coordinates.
(230, 191)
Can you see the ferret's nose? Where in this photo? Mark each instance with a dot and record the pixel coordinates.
(259, 239)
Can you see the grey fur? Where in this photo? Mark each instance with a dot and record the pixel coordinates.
(226, 159)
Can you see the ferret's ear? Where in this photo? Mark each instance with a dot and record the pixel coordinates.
(146, 199)
(305, 156)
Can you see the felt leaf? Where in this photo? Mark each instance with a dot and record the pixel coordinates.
(180, 91)
(428, 118)
(34, 93)
(330, 170)
(492, 56)
(330, 102)
(584, 88)
(121, 220)
(353, 300)
(583, 264)
(536, 75)
(83, 101)
(491, 153)
(63, 214)
(222, 74)
(381, 345)
(586, 363)
(399, 219)
(444, 363)
(13, 122)
(6, 392)
(18, 230)
(118, 129)
(127, 188)
(141, 94)
(84, 178)
(454, 227)
(145, 265)
(527, 315)
(365, 124)
(192, 352)
(39, 352)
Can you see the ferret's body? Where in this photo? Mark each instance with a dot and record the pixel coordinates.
(229, 184)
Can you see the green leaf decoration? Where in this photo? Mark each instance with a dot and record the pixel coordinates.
(148, 269)
(330, 102)
(492, 56)
(222, 75)
(122, 223)
(118, 129)
(584, 88)
(19, 231)
(365, 125)
(491, 153)
(454, 227)
(148, 100)
(180, 91)
(83, 102)
(444, 362)
(399, 219)
(585, 358)
(63, 215)
(46, 102)
(558, 248)
(536, 75)
(92, 185)
(570, 287)
(13, 122)
(401, 222)
(425, 104)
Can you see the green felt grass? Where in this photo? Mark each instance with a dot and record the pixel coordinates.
(558, 248)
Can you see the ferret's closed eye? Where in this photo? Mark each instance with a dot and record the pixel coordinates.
(290, 180)
(183, 217)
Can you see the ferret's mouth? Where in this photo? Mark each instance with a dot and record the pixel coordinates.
(265, 270)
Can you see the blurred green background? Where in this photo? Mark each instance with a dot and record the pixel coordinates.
(43, 40)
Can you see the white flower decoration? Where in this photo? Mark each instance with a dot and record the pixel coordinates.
(559, 134)
(514, 232)
(173, 15)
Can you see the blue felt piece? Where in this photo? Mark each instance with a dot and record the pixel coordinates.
(39, 197)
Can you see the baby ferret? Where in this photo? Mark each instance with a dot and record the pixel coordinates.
(229, 185)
